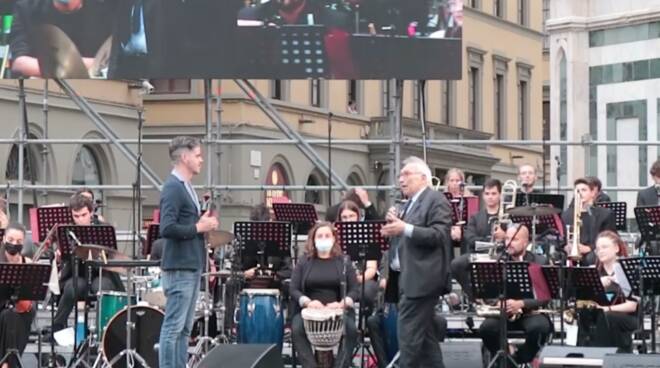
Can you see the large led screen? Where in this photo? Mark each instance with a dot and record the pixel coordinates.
(271, 39)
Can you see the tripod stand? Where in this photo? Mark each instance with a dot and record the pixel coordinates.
(362, 241)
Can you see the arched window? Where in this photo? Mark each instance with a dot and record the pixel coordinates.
(276, 176)
(87, 168)
(314, 196)
(354, 180)
(31, 161)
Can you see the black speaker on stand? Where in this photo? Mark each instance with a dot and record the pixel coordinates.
(243, 356)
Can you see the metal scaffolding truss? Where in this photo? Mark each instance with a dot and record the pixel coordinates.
(213, 141)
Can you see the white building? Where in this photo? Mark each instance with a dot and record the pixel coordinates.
(604, 71)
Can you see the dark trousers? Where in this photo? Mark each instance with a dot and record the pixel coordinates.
(376, 332)
(109, 282)
(608, 329)
(304, 347)
(460, 271)
(537, 328)
(418, 342)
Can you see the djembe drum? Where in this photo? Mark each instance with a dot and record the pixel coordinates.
(324, 329)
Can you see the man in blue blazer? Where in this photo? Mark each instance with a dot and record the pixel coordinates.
(182, 225)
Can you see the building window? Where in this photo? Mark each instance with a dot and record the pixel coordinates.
(499, 10)
(354, 180)
(523, 109)
(314, 196)
(315, 92)
(563, 117)
(169, 86)
(276, 176)
(386, 99)
(522, 12)
(475, 4)
(546, 16)
(419, 95)
(499, 106)
(86, 168)
(278, 89)
(475, 62)
(354, 105)
(447, 102)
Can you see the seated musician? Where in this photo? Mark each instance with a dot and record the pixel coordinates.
(537, 327)
(651, 195)
(317, 283)
(479, 228)
(377, 329)
(82, 209)
(349, 211)
(614, 324)
(527, 177)
(360, 197)
(594, 219)
(16, 319)
(96, 217)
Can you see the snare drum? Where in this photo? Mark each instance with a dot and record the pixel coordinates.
(260, 319)
(144, 336)
(110, 302)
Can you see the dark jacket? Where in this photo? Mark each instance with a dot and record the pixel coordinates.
(478, 229)
(184, 247)
(647, 197)
(424, 257)
(593, 222)
(301, 272)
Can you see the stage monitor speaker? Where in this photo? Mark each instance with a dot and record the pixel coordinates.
(632, 361)
(243, 356)
(462, 354)
(573, 356)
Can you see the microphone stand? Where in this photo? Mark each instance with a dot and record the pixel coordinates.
(558, 174)
(344, 312)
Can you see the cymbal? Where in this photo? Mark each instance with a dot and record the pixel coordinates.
(221, 273)
(58, 56)
(534, 210)
(93, 251)
(218, 238)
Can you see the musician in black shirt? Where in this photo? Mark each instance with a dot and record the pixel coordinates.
(651, 195)
(479, 228)
(317, 282)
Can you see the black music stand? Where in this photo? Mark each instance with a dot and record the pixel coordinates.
(42, 220)
(153, 234)
(302, 217)
(23, 282)
(648, 221)
(362, 241)
(68, 237)
(542, 225)
(619, 209)
(264, 239)
(555, 277)
(585, 284)
(502, 280)
(646, 285)
(554, 200)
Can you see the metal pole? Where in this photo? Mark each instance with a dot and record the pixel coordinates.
(421, 93)
(44, 147)
(398, 111)
(218, 136)
(329, 159)
(21, 147)
(209, 134)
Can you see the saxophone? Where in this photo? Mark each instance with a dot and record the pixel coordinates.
(574, 236)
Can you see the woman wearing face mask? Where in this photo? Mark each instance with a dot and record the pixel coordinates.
(317, 283)
(15, 320)
(616, 323)
(349, 212)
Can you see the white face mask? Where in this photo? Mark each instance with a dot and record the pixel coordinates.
(324, 245)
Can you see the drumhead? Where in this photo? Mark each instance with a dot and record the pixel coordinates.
(275, 292)
(144, 337)
(321, 314)
(113, 293)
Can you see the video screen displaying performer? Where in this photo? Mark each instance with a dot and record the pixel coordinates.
(281, 39)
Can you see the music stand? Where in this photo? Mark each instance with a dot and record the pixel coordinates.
(362, 241)
(554, 200)
(619, 209)
(153, 234)
(502, 280)
(264, 239)
(555, 277)
(23, 282)
(103, 235)
(646, 285)
(539, 225)
(302, 217)
(648, 221)
(42, 220)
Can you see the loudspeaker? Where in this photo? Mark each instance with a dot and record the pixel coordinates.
(559, 356)
(462, 354)
(243, 356)
(632, 361)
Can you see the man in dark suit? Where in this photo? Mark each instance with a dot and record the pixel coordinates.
(420, 245)
(594, 219)
(479, 228)
(651, 195)
(537, 327)
(182, 225)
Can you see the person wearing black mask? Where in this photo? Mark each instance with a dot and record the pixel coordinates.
(15, 318)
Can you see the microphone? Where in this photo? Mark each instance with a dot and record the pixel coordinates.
(461, 185)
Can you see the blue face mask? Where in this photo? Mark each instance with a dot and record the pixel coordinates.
(324, 245)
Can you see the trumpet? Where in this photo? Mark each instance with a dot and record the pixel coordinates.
(571, 313)
(507, 201)
(574, 236)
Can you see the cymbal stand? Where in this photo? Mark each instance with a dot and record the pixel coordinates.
(204, 340)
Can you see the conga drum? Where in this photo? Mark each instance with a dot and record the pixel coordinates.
(324, 329)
